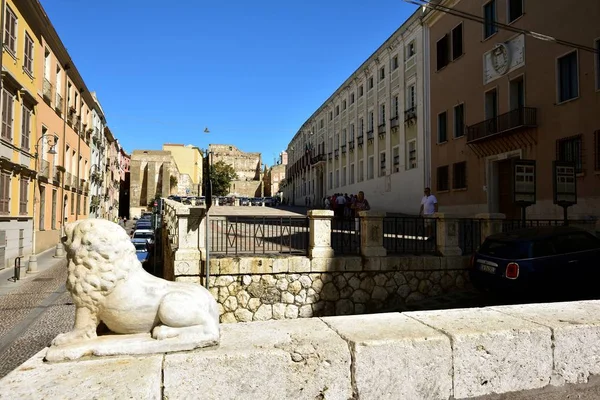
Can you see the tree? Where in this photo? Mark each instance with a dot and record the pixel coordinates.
(221, 175)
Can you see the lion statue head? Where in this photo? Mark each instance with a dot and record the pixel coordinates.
(100, 255)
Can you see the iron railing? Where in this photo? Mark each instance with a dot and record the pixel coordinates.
(409, 235)
(58, 104)
(518, 118)
(44, 168)
(68, 178)
(469, 235)
(47, 89)
(410, 114)
(259, 235)
(345, 235)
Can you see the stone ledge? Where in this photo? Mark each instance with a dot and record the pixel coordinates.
(420, 355)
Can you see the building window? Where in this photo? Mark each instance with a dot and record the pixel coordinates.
(7, 115)
(382, 163)
(515, 9)
(360, 91)
(457, 41)
(351, 174)
(351, 132)
(370, 122)
(597, 64)
(396, 158)
(570, 149)
(25, 127)
(72, 203)
(442, 52)
(411, 100)
(28, 52)
(321, 123)
(10, 30)
(337, 178)
(394, 63)
(370, 83)
(330, 115)
(410, 50)
(23, 192)
(330, 180)
(337, 110)
(361, 171)
(370, 167)
(4, 192)
(459, 175)
(459, 120)
(42, 207)
(351, 98)
(568, 79)
(442, 127)
(412, 154)
(344, 176)
(343, 105)
(381, 114)
(489, 19)
(442, 178)
(381, 74)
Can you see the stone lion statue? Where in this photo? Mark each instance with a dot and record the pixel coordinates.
(109, 285)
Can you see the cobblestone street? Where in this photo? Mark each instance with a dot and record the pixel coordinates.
(33, 311)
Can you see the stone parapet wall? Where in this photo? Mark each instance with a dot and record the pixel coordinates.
(532, 351)
(259, 289)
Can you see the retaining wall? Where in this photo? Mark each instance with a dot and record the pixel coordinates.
(264, 288)
(530, 351)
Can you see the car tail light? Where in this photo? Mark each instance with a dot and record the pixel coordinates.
(512, 270)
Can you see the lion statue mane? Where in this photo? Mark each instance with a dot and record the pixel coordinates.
(109, 285)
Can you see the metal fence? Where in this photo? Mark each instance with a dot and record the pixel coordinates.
(409, 235)
(259, 235)
(345, 235)
(469, 234)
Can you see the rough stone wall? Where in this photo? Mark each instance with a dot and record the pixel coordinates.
(245, 188)
(246, 165)
(277, 175)
(185, 186)
(150, 172)
(258, 289)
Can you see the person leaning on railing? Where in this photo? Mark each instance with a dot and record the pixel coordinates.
(429, 206)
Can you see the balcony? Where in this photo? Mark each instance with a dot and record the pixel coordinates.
(319, 158)
(337, 153)
(394, 122)
(330, 156)
(343, 149)
(381, 130)
(523, 117)
(47, 90)
(410, 115)
(58, 104)
(68, 179)
(370, 136)
(44, 169)
(396, 161)
(360, 140)
(351, 145)
(56, 174)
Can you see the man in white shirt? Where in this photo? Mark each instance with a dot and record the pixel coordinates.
(429, 205)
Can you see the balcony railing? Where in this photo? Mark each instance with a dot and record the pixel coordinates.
(410, 114)
(343, 149)
(351, 145)
(47, 89)
(68, 179)
(55, 174)
(381, 129)
(317, 159)
(330, 156)
(394, 122)
(58, 103)
(337, 153)
(44, 168)
(360, 140)
(523, 117)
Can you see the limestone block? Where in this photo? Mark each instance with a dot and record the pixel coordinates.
(224, 281)
(278, 311)
(576, 336)
(264, 312)
(243, 315)
(310, 360)
(121, 377)
(353, 264)
(228, 266)
(281, 265)
(456, 263)
(493, 352)
(429, 263)
(256, 265)
(321, 265)
(299, 265)
(395, 263)
(188, 279)
(396, 357)
(372, 263)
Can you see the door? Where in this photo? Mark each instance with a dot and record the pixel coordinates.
(505, 199)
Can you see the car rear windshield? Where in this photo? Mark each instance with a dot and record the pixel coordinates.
(142, 235)
(506, 249)
(140, 247)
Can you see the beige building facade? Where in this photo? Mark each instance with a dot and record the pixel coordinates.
(189, 163)
(498, 94)
(248, 167)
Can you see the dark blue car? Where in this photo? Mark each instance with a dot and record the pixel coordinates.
(537, 258)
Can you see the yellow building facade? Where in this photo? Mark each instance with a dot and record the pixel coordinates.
(18, 102)
(189, 162)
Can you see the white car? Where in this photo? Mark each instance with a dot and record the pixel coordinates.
(147, 234)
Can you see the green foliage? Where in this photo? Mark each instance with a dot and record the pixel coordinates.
(173, 181)
(221, 175)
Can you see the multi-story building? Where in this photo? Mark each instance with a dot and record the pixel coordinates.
(370, 134)
(499, 93)
(125, 161)
(98, 162)
(189, 162)
(112, 183)
(19, 132)
(248, 167)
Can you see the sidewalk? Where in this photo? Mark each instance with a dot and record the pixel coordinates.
(45, 261)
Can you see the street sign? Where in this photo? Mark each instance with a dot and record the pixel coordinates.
(565, 183)
(524, 181)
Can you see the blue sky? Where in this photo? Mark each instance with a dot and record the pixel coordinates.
(251, 71)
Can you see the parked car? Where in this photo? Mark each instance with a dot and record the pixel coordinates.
(244, 201)
(141, 249)
(537, 259)
(146, 234)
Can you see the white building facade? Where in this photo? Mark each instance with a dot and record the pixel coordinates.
(370, 134)
(97, 171)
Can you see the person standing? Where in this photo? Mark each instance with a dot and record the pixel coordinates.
(429, 206)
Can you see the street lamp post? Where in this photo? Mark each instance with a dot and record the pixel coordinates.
(32, 266)
(208, 202)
